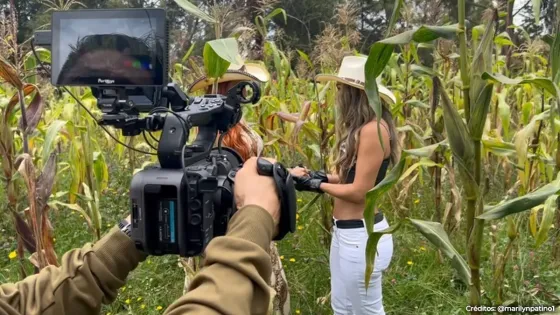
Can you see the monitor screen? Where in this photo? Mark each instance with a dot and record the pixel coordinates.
(109, 47)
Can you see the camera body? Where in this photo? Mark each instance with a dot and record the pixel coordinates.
(176, 211)
(179, 205)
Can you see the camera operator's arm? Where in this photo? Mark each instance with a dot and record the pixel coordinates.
(237, 266)
(86, 278)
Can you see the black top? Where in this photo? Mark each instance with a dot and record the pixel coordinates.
(380, 174)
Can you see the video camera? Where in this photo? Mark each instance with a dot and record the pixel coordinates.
(122, 55)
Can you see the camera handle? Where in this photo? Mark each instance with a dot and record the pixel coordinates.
(285, 190)
(286, 194)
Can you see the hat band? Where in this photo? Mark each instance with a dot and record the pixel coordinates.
(354, 81)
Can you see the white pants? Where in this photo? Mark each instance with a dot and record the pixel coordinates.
(348, 265)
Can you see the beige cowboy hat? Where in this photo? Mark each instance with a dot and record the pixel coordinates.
(352, 72)
(245, 72)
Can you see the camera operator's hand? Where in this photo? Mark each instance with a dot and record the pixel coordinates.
(299, 171)
(254, 189)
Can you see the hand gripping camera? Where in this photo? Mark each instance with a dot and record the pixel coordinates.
(179, 205)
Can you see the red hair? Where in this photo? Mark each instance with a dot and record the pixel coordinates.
(238, 137)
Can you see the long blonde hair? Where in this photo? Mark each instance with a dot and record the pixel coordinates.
(353, 113)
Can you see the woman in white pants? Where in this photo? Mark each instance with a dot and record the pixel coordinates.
(361, 162)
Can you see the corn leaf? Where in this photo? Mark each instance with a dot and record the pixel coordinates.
(33, 112)
(544, 83)
(8, 73)
(503, 39)
(479, 111)
(421, 70)
(28, 89)
(547, 219)
(482, 63)
(371, 249)
(426, 151)
(423, 162)
(533, 220)
(504, 112)
(101, 171)
(417, 103)
(50, 137)
(499, 148)
(394, 17)
(276, 12)
(194, 10)
(75, 207)
(219, 54)
(435, 233)
(460, 142)
(555, 58)
(380, 54)
(521, 203)
(373, 195)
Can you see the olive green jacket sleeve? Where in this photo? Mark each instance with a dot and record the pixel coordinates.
(232, 282)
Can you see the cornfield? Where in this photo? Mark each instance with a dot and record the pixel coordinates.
(478, 176)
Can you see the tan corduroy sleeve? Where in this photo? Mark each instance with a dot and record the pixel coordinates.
(236, 270)
(86, 278)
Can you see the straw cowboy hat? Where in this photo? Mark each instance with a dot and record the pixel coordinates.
(244, 72)
(352, 72)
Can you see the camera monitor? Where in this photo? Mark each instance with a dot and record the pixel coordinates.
(126, 47)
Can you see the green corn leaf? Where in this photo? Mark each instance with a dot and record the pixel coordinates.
(373, 195)
(482, 63)
(101, 171)
(394, 17)
(460, 142)
(417, 103)
(555, 58)
(74, 207)
(188, 54)
(435, 233)
(309, 204)
(421, 70)
(522, 138)
(423, 162)
(550, 206)
(498, 147)
(503, 39)
(50, 138)
(504, 112)
(194, 10)
(426, 151)
(305, 57)
(479, 112)
(477, 31)
(544, 83)
(371, 249)
(219, 54)
(521, 203)
(275, 12)
(380, 54)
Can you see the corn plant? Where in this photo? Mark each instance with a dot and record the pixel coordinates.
(35, 232)
(465, 140)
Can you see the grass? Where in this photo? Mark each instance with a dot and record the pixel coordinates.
(415, 283)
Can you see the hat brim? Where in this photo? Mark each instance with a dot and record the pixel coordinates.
(384, 92)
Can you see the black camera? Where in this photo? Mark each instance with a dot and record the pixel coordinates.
(179, 205)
